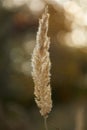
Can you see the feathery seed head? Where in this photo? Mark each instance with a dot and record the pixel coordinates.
(41, 67)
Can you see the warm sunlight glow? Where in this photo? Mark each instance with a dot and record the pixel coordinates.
(77, 19)
(13, 3)
(83, 3)
(79, 37)
(36, 6)
(71, 7)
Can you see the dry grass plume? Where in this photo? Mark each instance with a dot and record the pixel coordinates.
(41, 66)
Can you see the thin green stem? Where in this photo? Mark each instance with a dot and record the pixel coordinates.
(45, 123)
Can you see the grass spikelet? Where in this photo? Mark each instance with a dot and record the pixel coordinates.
(41, 66)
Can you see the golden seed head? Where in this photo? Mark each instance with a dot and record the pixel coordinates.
(41, 67)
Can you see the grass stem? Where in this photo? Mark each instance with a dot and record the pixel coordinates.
(45, 123)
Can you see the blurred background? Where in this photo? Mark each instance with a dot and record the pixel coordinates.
(68, 52)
